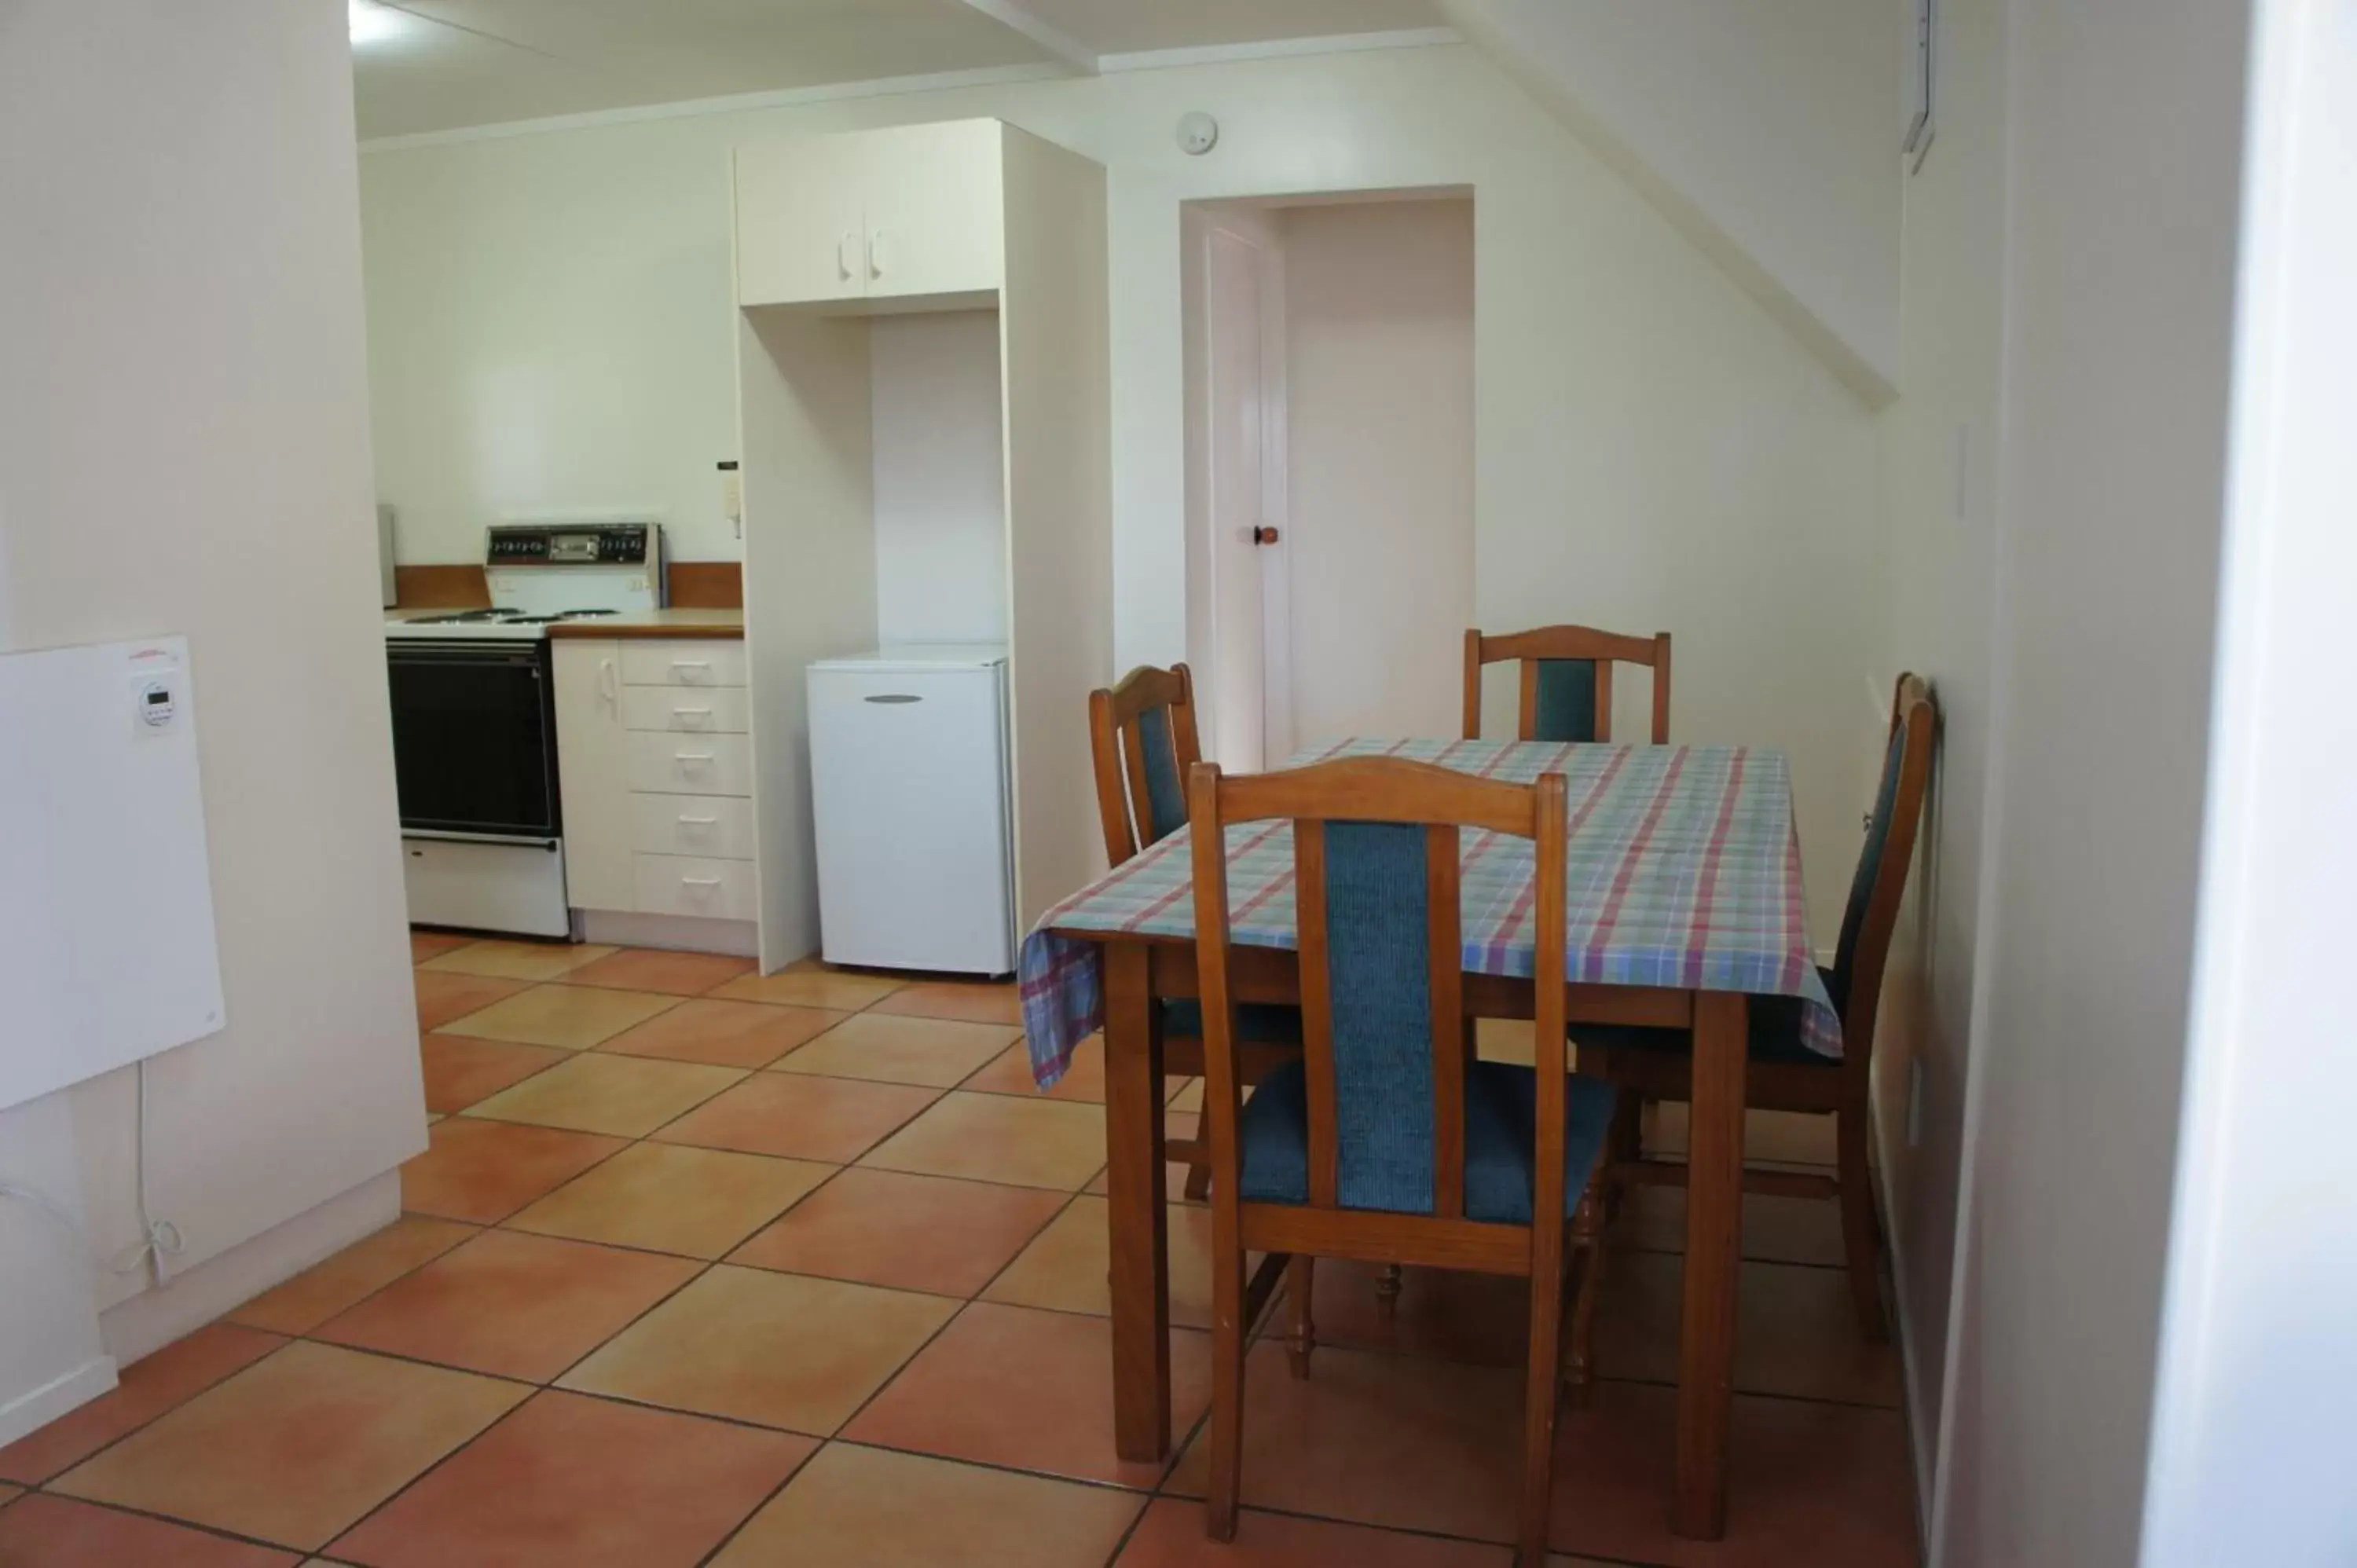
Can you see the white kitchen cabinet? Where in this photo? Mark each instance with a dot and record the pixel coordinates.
(911, 211)
(702, 710)
(689, 764)
(655, 767)
(934, 214)
(699, 890)
(805, 242)
(592, 770)
(982, 321)
(713, 827)
(667, 662)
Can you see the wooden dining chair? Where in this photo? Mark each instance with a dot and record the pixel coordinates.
(1785, 1074)
(1143, 738)
(1386, 1143)
(1567, 680)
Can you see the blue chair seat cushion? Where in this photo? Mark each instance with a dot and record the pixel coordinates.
(1775, 1034)
(1257, 1023)
(1500, 1137)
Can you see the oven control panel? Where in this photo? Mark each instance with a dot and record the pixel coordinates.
(570, 544)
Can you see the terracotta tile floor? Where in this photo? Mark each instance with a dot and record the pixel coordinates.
(796, 1272)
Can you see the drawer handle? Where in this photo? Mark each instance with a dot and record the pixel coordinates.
(685, 712)
(691, 664)
(897, 697)
(695, 759)
(699, 882)
(699, 821)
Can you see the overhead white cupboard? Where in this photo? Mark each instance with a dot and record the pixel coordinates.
(924, 410)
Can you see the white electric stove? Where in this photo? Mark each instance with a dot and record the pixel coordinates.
(474, 726)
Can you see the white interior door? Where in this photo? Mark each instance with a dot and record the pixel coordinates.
(1379, 419)
(1242, 388)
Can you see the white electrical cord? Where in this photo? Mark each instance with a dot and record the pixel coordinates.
(161, 1239)
(49, 1208)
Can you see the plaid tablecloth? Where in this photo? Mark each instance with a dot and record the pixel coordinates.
(1684, 870)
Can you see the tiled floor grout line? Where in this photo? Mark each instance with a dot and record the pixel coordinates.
(707, 1266)
(538, 1388)
(211, 1529)
(876, 1392)
(1148, 1497)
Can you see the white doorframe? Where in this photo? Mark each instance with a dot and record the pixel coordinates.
(1236, 739)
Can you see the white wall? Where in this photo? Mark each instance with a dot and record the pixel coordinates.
(1651, 449)
(1379, 431)
(1769, 133)
(2250, 1452)
(1939, 481)
(184, 447)
(940, 489)
(2125, 121)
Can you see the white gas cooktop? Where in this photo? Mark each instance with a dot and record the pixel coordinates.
(474, 626)
(539, 574)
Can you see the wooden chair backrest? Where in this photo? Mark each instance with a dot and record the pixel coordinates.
(1142, 737)
(1872, 914)
(1320, 801)
(1581, 644)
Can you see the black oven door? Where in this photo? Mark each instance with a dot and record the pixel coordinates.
(474, 738)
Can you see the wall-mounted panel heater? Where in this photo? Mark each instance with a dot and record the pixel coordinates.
(107, 951)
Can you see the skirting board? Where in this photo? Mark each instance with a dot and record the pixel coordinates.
(678, 934)
(30, 1411)
(155, 1318)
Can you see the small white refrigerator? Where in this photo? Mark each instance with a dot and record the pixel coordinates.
(914, 814)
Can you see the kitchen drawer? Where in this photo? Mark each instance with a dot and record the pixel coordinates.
(714, 710)
(690, 764)
(713, 827)
(670, 661)
(683, 884)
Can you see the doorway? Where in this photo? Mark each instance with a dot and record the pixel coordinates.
(1330, 467)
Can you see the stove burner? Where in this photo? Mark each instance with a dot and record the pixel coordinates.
(464, 618)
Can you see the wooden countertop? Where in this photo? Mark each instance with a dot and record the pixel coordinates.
(657, 623)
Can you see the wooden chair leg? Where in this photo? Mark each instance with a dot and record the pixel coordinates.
(1303, 1339)
(1587, 1248)
(1387, 1291)
(1228, 1330)
(1198, 1182)
(1540, 1395)
(1860, 1238)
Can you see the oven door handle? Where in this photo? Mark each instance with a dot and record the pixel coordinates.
(445, 835)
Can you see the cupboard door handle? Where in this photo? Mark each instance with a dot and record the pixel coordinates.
(875, 253)
(896, 697)
(843, 254)
(607, 686)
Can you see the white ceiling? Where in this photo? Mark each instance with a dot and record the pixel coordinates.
(442, 64)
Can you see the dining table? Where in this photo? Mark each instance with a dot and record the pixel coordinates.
(1683, 898)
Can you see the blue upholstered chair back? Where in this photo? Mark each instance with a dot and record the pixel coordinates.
(1566, 693)
(1142, 738)
(1164, 809)
(1387, 1111)
(1567, 700)
(1908, 729)
(1378, 930)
